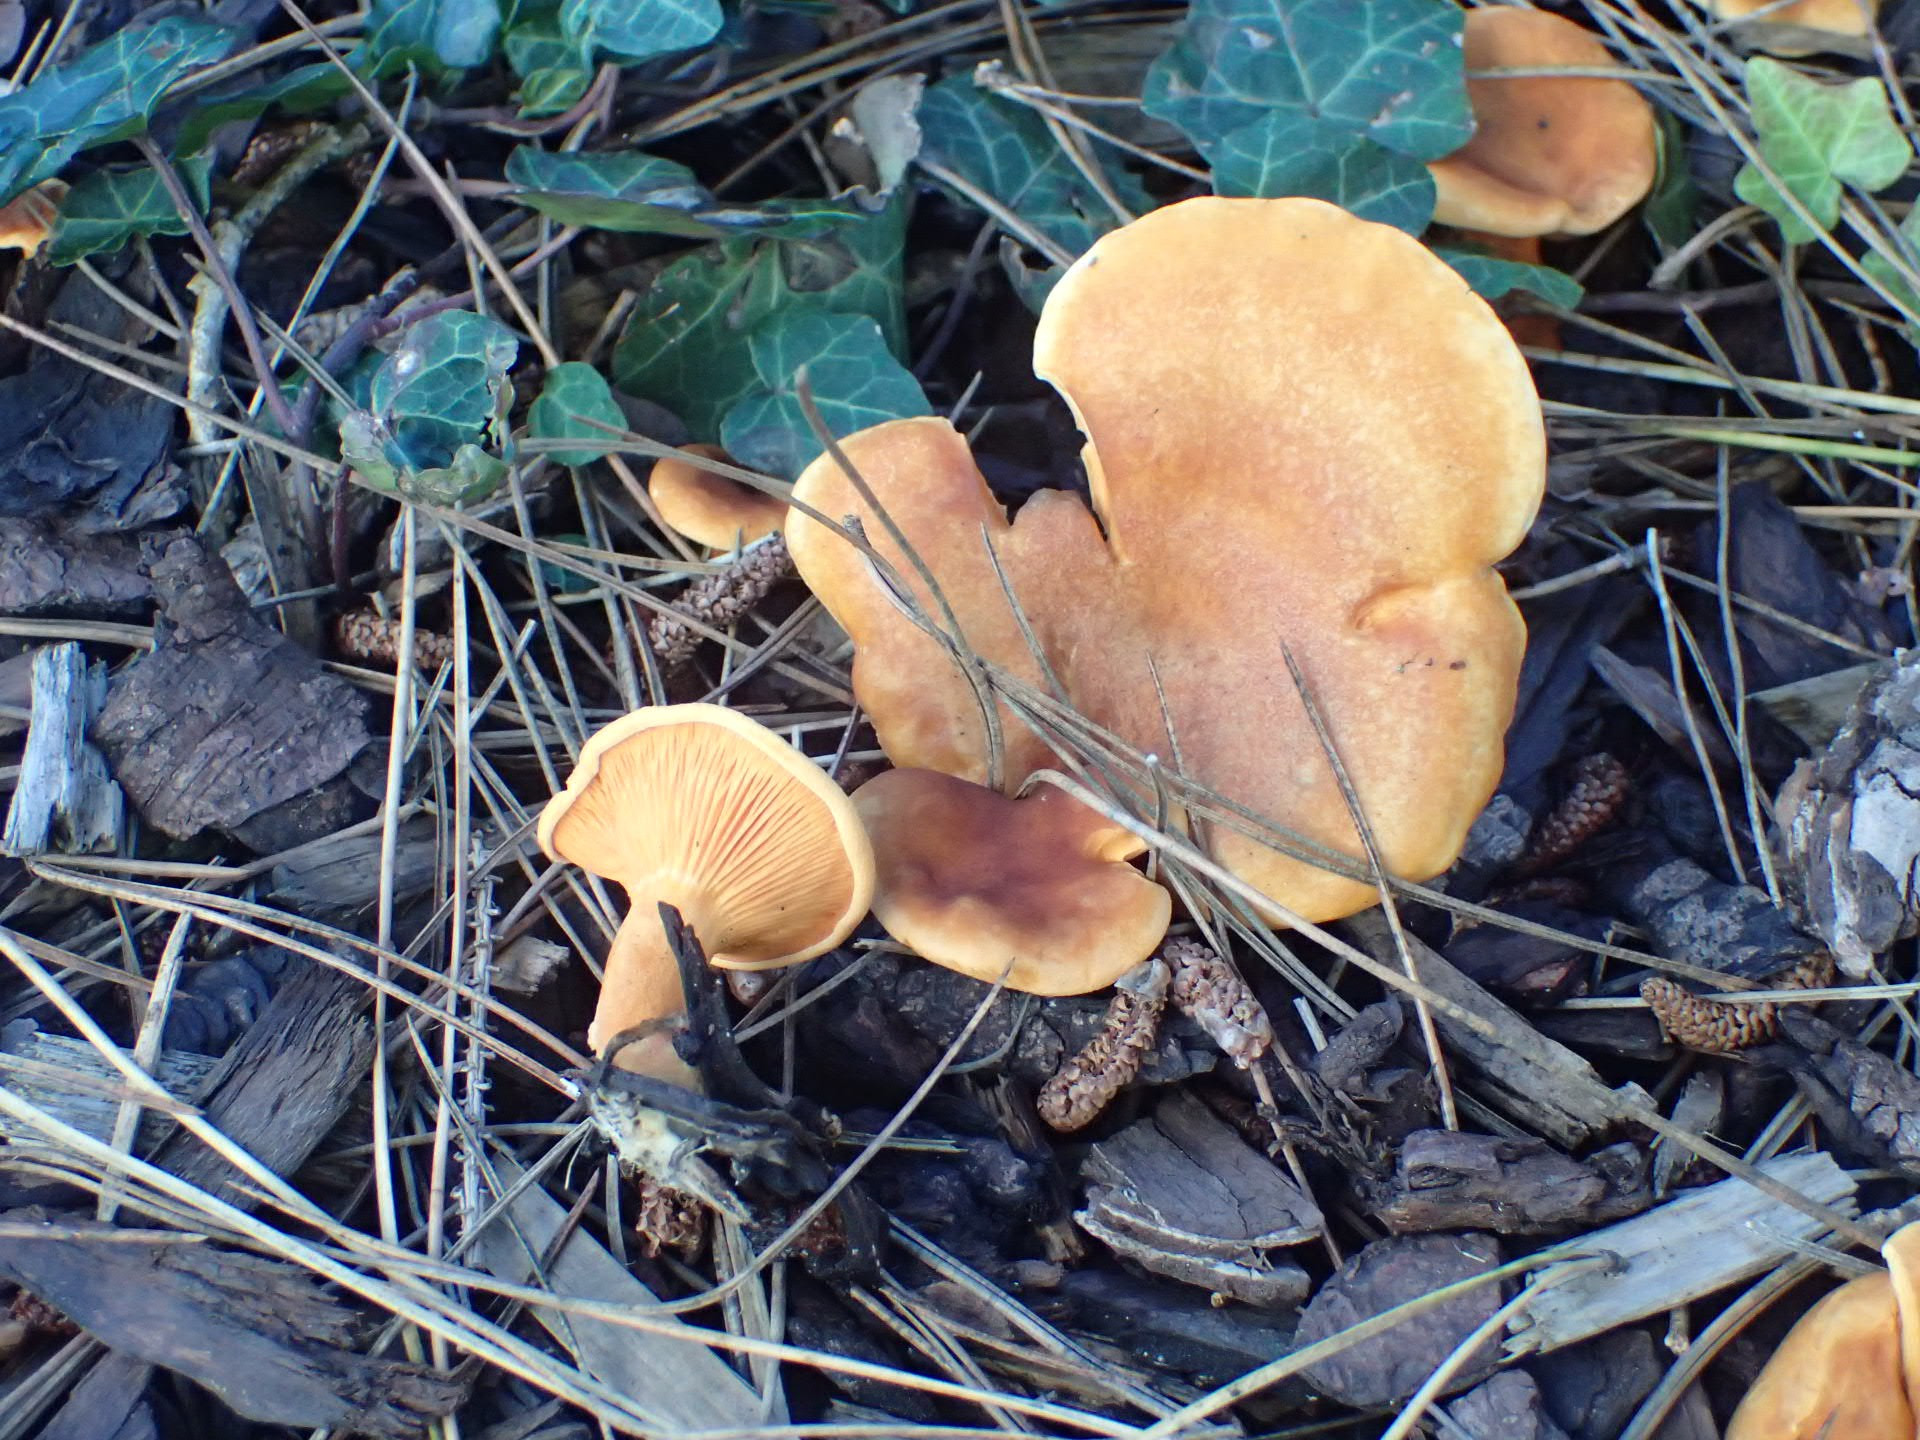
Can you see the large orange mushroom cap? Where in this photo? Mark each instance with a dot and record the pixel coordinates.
(1303, 430)
(700, 807)
(1550, 154)
(972, 880)
(1850, 1368)
(711, 509)
(1806, 27)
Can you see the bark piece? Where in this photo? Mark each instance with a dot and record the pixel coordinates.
(1851, 823)
(261, 1334)
(1184, 1196)
(1592, 1389)
(1704, 1241)
(1447, 1180)
(47, 569)
(68, 1079)
(1169, 1326)
(1507, 1406)
(283, 1086)
(1870, 1103)
(1692, 916)
(63, 799)
(106, 1404)
(1391, 1365)
(226, 717)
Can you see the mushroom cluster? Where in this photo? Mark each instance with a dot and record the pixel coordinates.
(1304, 435)
(1850, 1369)
(701, 808)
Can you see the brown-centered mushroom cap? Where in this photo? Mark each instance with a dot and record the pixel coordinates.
(710, 509)
(1304, 430)
(1850, 1369)
(702, 808)
(1550, 154)
(1807, 27)
(970, 879)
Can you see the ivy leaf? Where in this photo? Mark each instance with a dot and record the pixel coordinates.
(1492, 277)
(435, 406)
(1284, 153)
(856, 382)
(554, 71)
(300, 91)
(573, 394)
(436, 34)
(1816, 137)
(634, 30)
(106, 209)
(105, 94)
(627, 191)
(1004, 149)
(1890, 280)
(686, 344)
(1388, 72)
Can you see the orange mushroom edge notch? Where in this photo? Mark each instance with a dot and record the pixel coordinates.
(1550, 154)
(1805, 27)
(1850, 1369)
(708, 508)
(1038, 889)
(1327, 454)
(702, 808)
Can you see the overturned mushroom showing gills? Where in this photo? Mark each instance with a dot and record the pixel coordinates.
(1847, 1370)
(1303, 432)
(710, 509)
(1550, 154)
(701, 808)
(973, 881)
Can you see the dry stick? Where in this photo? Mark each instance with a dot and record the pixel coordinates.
(1737, 664)
(146, 1049)
(1429, 1033)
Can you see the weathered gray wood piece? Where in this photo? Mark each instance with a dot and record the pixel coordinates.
(261, 1334)
(64, 800)
(680, 1382)
(68, 1079)
(1182, 1195)
(1704, 1241)
(1450, 1180)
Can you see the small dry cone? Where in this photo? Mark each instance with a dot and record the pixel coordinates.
(699, 807)
(971, 880)
(1841, 1373)
(710, 509)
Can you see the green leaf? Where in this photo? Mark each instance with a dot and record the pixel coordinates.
(634, 30)
(435, 405)
(686, 344)
(554, 70)
(298, 92)
(1887, 277)
(105, 94)
(643, 194)
(1388, 72)
(434, 34)
(572, 395)
(1491, 277)
(1284, 153)
(111, 206)
(1005, 150)
(856, 382)
(1816, 137)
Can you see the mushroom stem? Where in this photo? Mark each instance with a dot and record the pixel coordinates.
(642, 983)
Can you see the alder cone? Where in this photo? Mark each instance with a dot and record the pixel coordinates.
(1304, 432)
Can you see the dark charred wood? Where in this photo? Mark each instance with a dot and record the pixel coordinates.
(1174, 1327)
(1509, 1406)
(1447, 1180)
(47, 569)
(1870, 1104)
(1592, 1389)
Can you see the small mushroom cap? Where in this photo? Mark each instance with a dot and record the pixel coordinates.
(1901, 1251)
(1550, 154)
(710, 509)
(1808, 27)
(1837, 1375)
(703, 808)
(970, 879)
(27, 220)
(1327, 452)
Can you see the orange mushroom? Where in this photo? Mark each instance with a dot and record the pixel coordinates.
(1303, 431)
(1850, 1369)
(1806, 27)
(28, 219)
(1550, 154)
(708, 508)
(973, 881)
(702, 808)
